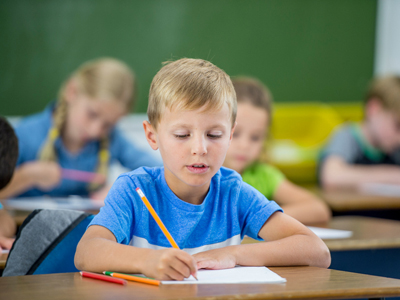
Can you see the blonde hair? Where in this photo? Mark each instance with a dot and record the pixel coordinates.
(190, 84)
(253, 91)
(386, 90)
(104, 78)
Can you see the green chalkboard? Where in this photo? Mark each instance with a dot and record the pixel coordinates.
(309, 50)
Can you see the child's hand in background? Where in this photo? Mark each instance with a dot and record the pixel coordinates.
(222, 258)
(5, 242)
(169, 264)
(45, 174)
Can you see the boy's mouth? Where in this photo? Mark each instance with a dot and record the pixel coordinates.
(198, 168)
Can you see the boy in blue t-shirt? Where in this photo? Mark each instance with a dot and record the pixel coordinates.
(206, 208)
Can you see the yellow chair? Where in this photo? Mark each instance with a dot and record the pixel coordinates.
(298, 132)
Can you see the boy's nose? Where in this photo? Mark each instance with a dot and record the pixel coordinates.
(199, 146)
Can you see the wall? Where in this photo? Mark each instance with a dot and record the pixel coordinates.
(310, 50)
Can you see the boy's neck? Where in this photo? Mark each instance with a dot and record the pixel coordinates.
(189, 194)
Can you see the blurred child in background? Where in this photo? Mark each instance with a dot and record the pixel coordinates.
(8, 159)
(368, 152)
(253, 121)
(77, 134)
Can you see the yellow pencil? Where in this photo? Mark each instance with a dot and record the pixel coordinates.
(157, 219)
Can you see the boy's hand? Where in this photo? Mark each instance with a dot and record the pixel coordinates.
(222, 258)
(46, 174)
(169, 264)
(5, 242)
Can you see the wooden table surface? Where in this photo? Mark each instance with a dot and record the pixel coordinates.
(3, 258)
(342, 201)
(368, 233)
(302, 283)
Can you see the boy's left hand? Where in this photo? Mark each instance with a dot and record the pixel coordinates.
(222, 258)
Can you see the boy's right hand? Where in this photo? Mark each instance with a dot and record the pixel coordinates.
(45, 174)
(169, 264)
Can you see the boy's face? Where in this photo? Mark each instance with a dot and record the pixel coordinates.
(248, 138)
(193, 145)
(384, 127)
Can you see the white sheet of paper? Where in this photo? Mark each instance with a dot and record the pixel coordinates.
(235, 275)
(327, 233)
(74, 203)
(5, 251)
(381, 189)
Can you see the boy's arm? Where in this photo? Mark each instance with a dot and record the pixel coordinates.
(301, 204)
(99, 251)
(288, 243)
(336, 173)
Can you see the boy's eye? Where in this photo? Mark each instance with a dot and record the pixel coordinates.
(182, 136)
(214, 136)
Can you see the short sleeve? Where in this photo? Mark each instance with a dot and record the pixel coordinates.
(118, 212)
(254, 210)
(342, 144)
(264, 178)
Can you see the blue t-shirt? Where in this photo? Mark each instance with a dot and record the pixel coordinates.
(231, 209)
(32, 132)
(1, 206)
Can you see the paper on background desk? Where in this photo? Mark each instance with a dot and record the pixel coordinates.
(73, 203)
(235, 275)
(381, 189)
(327, 233)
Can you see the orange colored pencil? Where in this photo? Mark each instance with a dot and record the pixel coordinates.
(134, 278)
(157, 219)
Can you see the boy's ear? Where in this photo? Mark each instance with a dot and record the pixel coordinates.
(232, 131)
(151, 135)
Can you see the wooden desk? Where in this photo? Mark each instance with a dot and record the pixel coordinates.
(374, 247)
(368, 233)
(3, 259)
(342, 201)
(302, 283)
